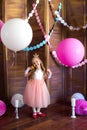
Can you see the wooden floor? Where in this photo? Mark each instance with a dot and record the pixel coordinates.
(58, 117)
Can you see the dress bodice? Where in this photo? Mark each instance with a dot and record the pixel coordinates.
(38, 74)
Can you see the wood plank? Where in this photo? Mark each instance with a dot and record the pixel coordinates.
(58, 117)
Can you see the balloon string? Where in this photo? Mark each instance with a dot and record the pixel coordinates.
(14, 58)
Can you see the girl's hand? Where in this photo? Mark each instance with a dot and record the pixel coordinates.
(28, 71)
(49, 73)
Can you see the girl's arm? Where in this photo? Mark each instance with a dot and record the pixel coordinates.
(28, 71)
(49, 73)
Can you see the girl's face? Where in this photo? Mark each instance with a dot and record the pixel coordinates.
(36, 63)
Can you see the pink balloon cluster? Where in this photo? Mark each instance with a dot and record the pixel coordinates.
(81, 104)
(2, 108)
(70, 52)
(81, 107)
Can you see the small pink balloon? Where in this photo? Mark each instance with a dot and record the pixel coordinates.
(81, 107)
(1, 24)
(2, 108)
(70, 51)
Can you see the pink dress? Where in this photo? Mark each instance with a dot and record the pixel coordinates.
(36, 93)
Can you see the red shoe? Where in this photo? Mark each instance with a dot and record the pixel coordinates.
(41, 114)
(34, 115)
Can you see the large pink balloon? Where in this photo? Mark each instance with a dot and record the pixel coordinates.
(70, 51)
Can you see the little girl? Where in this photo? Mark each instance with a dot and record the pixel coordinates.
(36, 93)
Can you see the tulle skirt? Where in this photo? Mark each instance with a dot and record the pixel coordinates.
(36, 94)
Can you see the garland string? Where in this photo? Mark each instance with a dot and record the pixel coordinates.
(62, 21)
(32, 11)
(47, 37)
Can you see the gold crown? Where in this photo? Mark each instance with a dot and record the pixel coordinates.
(35, 55)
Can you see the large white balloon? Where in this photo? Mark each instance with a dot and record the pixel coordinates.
(16, 34)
